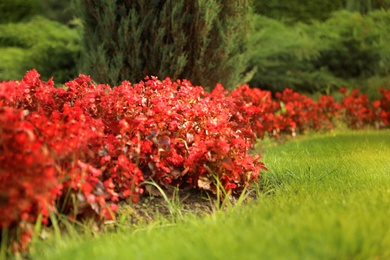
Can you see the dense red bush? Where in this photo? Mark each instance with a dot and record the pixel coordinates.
(102, 143)
(298, 111)
(384, 107)
(28, 176)
(257, 106)
(328, 111)
(81, 149)
(288, 113)
(357, 110)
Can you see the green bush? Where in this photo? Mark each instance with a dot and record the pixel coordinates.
(356, 44)
(348, 49)
(50, 47)
(285, 55)
(11, 63)
(313, 10)
(358, 48)
(298, 10)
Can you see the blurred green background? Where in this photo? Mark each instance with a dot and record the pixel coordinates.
(312, 46)
(38, 34)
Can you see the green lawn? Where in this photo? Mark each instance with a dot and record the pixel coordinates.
(326, 197)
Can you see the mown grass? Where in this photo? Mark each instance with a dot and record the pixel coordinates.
(324, 197)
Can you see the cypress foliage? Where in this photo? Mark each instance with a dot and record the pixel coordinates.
(204, 41)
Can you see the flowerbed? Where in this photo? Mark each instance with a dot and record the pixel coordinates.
(81, 150)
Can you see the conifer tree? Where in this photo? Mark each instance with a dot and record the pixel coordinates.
(362, 6)
(204, 41)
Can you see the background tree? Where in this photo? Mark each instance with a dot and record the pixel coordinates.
(365, 6)
(292, 11)
(204, 41)
(297, 10)
(17, 10)
(349, 49)
(59, 11)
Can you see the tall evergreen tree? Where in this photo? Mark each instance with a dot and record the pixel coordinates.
(200, 40)
(362, 6)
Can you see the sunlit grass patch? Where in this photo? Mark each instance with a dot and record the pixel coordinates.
(327, 197)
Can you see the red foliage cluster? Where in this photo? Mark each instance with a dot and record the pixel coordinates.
(81, 150)
(303, 113)
(28, 177)
(382, 108)
(258, 107)
(358, 112)
(291, 112)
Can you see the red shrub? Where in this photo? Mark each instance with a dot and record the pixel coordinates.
(98, 144)
(258, 107)
(102, 143)
(300, 113)
(357, 110)
(384, 105)
(328, 111)
(291, 112)
(28, 176)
